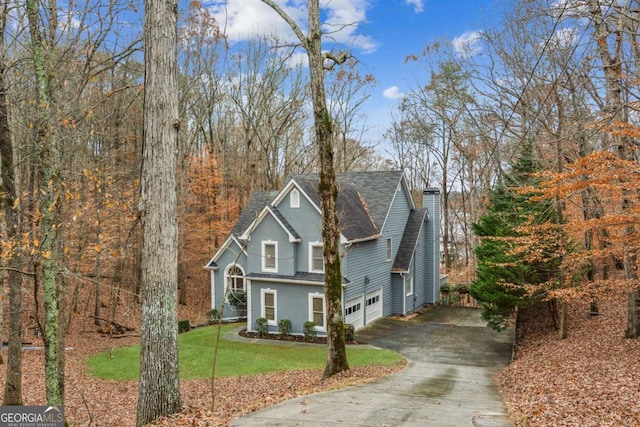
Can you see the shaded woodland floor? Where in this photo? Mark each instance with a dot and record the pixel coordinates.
(591, 378)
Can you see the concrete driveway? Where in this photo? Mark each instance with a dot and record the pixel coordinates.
(450, 378)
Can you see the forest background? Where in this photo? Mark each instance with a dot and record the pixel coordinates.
(559, 75)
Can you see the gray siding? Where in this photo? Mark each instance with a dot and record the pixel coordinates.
(431, 201)
(420, 270)
(358, 265)
(364, 264)
(270, 230)
(306, 220)
(229, 257)
(292, 302)
(397, 294)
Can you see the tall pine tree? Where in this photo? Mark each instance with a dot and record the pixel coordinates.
(505, 273)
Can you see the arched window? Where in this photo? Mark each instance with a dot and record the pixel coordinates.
(294, 199)
(235, 278)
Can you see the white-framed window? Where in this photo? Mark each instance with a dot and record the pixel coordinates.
(317, 311)
(408, 285)
(389, 249)
(269, 256)
(316, 257)
(294, 198)
(269, 305)
(235, 278)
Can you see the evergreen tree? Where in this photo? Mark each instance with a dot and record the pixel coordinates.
(505, 275)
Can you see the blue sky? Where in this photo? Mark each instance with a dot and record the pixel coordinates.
(385, 33)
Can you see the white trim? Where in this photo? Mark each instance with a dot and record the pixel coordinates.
(246, 235)
(322, 328)
(226, 277)
(263, 311)
(407, 194)
(313, 245)
(212, 283)
(294, 198)
(408, 279)
(264, 256)
(291, 184)
(249, 310)
(224, 247)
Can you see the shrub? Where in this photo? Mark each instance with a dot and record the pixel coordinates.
(261, 327)
(284, 326)
(309, 330)
(349, 332)
(237, 297)
(183, 326)
(213, 315)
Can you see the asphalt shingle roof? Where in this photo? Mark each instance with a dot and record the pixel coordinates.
(409, 240)
(257, 201)
(364, 199)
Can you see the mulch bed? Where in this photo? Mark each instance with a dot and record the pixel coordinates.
(292, 338)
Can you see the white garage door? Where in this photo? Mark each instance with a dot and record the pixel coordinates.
(353, 312)
(373, 304)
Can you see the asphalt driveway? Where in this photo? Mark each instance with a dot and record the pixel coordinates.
(450, 378)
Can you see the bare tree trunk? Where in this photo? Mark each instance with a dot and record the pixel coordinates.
(47, 151)
(336, 348)
(159, 391)
(615, 109)
(562, 324)
(13, 380)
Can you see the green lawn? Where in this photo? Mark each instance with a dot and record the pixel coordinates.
(234, 358)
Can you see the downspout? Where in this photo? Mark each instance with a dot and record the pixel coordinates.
(212, 285)
(404, 295)
(249, 302)
(364, 300)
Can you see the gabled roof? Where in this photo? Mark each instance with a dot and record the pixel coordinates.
(231, 239)
(273, 211)
(363, 204)
(364, 200)
(409, 241)
(256, 203)
(378, 189)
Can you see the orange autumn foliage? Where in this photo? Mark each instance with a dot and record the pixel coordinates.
(614, 231)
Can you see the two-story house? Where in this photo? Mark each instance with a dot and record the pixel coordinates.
(273, 257)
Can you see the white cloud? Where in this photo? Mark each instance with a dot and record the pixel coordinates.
(298, 58)
(417, 5)
(243, 19)
(467, 44)
(393, 92)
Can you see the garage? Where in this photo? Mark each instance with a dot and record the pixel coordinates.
(373, 304)
(353, 312)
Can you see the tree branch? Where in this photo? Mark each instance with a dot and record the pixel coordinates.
(296, 29)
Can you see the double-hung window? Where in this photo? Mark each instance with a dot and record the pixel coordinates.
(316, 258)
(317, 310)
(268, 306)
(270, 256)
